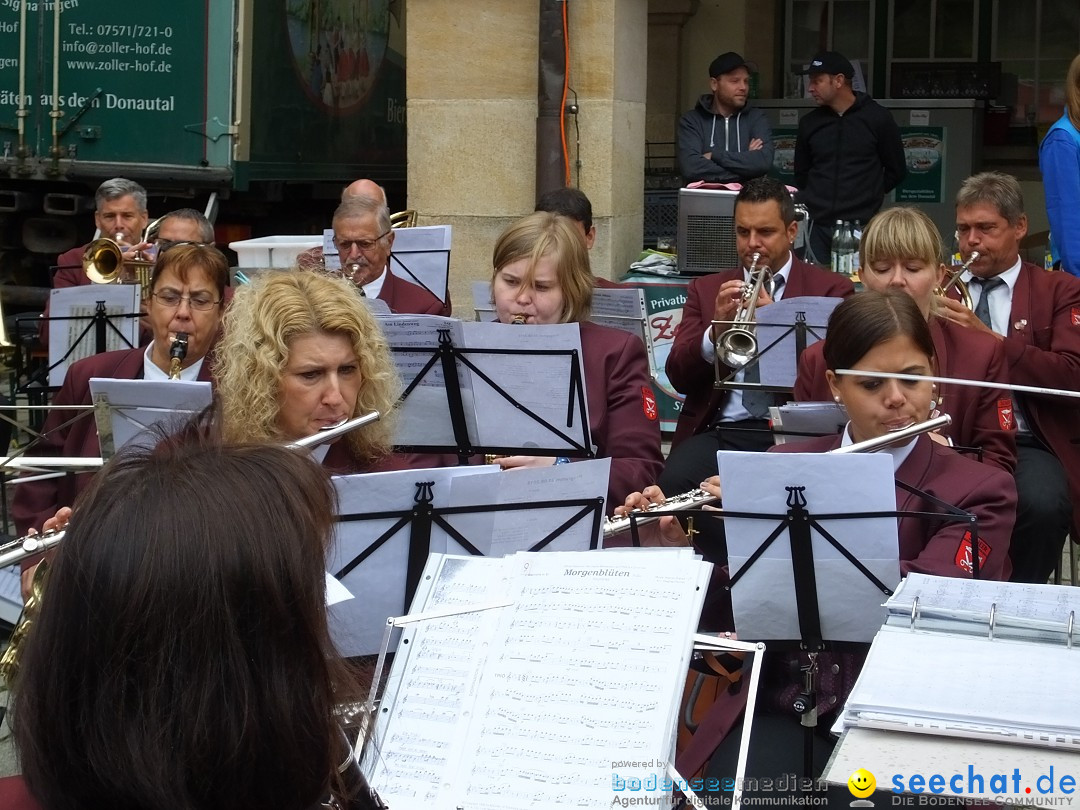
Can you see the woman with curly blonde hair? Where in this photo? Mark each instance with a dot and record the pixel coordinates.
(300, 352)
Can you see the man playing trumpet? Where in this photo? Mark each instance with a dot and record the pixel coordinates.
(364, 238)
(1036, 316)
(712, 419)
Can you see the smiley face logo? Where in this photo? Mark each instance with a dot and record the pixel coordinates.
(861, 783)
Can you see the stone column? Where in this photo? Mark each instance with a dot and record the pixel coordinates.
(472, 88)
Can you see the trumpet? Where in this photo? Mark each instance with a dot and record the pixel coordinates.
(177, 353)
(103, 260)
(954, 280)
(737, 346)
(699, 497)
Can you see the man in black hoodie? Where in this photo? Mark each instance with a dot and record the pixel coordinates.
(721, 140)
(848, 153)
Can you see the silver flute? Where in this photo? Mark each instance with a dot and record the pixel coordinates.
(19, 549)
(699, 497)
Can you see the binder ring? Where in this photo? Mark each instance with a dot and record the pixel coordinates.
(993, 619)
(914, 612)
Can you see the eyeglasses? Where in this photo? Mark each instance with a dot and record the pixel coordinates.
(172, 299)
(345, 245)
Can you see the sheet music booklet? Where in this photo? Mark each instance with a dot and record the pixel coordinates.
(531, 705)
(1016, 640)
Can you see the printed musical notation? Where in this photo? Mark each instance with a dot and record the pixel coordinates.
(527, 706)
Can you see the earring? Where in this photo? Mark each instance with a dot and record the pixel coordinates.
(836, 400)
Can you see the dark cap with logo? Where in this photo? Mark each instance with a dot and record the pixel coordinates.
(727, 62)
(829, 62)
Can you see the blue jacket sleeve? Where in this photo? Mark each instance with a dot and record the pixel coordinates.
(1059, 161)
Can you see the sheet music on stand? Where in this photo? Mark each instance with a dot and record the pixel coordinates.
(379, 552)
(530, 705)
(783, 329)
(617, 308)
(125, 410)
(799, 421)
(72, 329)
(759, 489)
(509, 395)
(972, 625)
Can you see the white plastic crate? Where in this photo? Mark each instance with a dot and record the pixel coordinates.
(273, 251)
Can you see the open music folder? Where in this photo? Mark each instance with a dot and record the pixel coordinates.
(977, 659)
(540, 702)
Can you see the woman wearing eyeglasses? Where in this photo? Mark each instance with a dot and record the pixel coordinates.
(187, 294)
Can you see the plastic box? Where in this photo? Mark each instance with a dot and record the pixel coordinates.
(273, 251)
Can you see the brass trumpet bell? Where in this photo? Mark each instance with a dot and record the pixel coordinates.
(403, 219)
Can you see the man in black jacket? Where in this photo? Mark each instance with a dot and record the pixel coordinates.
(848, 153)
(722, 140)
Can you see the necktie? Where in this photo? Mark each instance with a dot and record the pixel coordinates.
(982, 309)
(757, 403)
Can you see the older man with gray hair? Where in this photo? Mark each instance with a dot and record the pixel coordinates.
(119, 214)
(364, 239)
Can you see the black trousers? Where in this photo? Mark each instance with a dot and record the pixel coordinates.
(1043, 512)
(694, 460)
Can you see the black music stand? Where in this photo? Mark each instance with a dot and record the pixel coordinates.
(411, 530)
(798, 523)
(453, 362)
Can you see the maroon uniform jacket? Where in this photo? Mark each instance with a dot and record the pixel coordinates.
(1042, 348)
(939, 547)
(982, 417)
(623, 417)
(37, 501)
(690, 373)
(402, 296)
(69, 272)
(14, 795)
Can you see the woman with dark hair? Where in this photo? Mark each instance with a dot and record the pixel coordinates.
(881, 333)
(901, 250)
(181, 657)
(887, 333)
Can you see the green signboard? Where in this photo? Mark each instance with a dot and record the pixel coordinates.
(924, 151)
(131, 86)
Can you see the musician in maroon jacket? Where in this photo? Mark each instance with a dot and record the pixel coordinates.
(541, 275)
(364, 239)
(1035, 315)
(901, 250)
(711, 419)
(187, 295)
(881, 333)
(300, 352)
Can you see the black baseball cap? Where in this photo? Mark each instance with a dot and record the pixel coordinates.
(727, 62)
(829, 62)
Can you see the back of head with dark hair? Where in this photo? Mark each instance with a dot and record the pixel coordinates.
(863, 321)
(570, 202)
(181, 658)
(764, 189)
